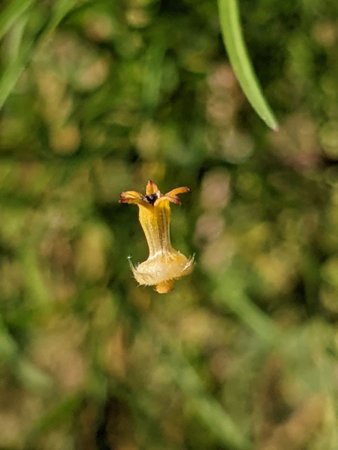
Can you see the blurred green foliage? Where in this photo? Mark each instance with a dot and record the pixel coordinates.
(101, 96)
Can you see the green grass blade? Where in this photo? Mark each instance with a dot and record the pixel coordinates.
(205, 407)
(16, 62)
(61, 9)
(230, 292)
(11, 13)
(239, 59)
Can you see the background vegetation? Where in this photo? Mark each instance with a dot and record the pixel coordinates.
(97, 98)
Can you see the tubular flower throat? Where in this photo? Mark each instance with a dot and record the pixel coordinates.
(164, 263)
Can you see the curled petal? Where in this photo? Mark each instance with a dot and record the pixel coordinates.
(179, 190)
(132, 197)
(172, 195)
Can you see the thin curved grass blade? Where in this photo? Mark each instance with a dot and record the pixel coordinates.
(11, 13)
(17, 59)
(240, 61)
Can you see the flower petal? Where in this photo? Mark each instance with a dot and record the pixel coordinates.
(166, 198)
(172, 195)
(132, 197)
(179, 190)
(151, 188)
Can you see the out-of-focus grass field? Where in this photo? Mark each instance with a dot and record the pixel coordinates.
(98, 97)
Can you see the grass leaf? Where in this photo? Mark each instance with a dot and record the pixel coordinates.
(238, 55)
(11, 13)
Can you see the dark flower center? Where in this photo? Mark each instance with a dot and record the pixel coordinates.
(151, 198)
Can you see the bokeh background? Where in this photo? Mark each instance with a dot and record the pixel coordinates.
(98, 98)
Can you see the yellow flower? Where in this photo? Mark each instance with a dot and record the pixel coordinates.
(164, 263)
